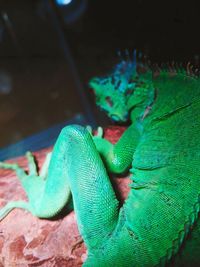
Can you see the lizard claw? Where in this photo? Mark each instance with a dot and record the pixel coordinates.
(99, 132)
(11, 166)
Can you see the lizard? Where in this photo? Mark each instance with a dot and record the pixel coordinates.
(160, 149)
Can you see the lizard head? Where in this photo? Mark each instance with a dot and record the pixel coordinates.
(115, 92)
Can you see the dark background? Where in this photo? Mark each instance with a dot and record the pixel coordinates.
(49, 60)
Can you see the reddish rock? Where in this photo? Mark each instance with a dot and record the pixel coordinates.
(28, 241)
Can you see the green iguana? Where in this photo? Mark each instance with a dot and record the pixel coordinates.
(161, 148)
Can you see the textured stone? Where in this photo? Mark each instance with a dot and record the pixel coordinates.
(28, 241)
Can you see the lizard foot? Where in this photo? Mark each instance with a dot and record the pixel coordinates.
(32, 182)
(99, 132)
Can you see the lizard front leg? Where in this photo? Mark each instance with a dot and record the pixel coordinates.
(118, 157)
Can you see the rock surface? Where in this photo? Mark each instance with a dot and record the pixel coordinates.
(28, 241)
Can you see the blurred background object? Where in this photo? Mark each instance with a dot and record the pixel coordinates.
(5, 83)
(49, 49)
(63, 2)
(71, 9)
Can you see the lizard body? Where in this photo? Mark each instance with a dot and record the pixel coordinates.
(160, 148)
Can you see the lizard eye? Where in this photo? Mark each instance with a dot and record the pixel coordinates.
(109, 101)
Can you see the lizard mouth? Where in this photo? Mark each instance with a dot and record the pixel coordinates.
(115, 117)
